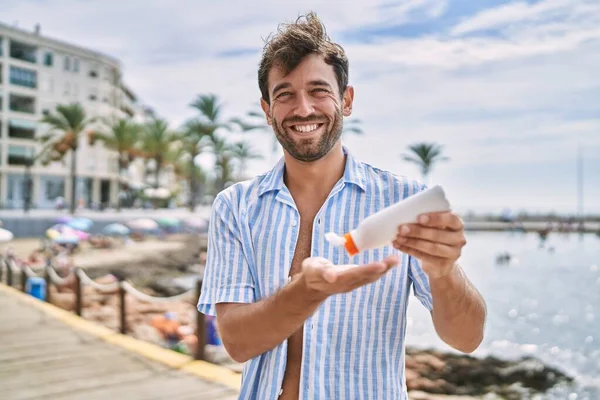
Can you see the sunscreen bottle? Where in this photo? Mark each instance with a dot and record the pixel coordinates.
(381, 228)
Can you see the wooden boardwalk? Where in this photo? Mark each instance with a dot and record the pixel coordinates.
(44, 358)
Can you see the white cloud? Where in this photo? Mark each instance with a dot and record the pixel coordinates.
(519, 12)
(524, 94)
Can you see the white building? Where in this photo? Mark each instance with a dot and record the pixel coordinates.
(36, 74)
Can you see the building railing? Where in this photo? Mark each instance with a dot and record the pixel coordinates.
(14, 275)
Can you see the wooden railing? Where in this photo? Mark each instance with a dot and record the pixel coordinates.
(10, 270)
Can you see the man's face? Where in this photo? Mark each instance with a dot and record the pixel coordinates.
(306, 110)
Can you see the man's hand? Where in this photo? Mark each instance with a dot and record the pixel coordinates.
(437, 240)
(323, 278)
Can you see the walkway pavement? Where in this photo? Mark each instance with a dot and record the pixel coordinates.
(42, 357)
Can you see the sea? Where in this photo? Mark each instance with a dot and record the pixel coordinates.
(544, 303)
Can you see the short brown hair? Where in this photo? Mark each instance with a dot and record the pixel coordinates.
(292, 43)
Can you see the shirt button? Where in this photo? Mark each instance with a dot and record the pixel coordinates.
(294, 222)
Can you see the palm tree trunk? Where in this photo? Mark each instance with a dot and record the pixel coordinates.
(157, 172)
(193, 188)
(73, 181)
(158, 161)
(119, 183)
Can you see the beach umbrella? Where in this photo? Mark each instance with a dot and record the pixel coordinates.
(63, 220)
(67, 238)
(81, 224)
(52, 233)
(143, 224)
(197, 224)
(5, 235)
(116, 230)
(168, 222)
(81, 235)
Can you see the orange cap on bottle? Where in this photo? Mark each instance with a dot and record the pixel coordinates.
(350, 245)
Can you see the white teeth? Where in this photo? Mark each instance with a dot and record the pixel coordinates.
(306, 128)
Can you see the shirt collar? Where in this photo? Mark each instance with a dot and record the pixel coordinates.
(354, 173)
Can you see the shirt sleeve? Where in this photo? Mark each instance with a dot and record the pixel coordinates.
(227, 277)
(419, 278)
(420, 282)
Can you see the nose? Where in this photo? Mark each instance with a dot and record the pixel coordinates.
(304, 106)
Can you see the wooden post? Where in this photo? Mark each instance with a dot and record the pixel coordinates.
(122, 312)
(23, 279)
(9, 273)
(77, 292)
(200, 326)
(48, 282)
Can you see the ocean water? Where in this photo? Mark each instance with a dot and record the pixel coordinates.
(545, 303)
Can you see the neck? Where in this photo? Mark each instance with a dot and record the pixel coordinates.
(318, 176)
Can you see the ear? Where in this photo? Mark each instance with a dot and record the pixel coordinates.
(347, 101)
(267, 110)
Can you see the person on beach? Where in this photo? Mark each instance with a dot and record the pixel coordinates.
(303, 328)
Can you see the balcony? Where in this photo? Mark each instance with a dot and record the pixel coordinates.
(21, 129)
(20, 155)
(23, 77)
(24, 104)
(23, 52)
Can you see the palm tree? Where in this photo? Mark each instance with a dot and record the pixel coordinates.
(122, 136)
(69, 122)
(224, 162)
(193, 139)
(210, 113)
(243, 153)
(156, 140)
(425, 155)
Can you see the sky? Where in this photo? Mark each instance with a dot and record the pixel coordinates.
(511, 89)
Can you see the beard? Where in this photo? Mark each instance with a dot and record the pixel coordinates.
(314, 148)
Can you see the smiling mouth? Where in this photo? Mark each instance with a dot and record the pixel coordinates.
(306, 128)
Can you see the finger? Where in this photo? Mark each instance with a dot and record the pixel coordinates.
(419, 254)
(442, 220)
(360, 272)
(431, 248)
(430, 234)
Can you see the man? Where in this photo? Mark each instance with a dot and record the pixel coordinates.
(325, 333)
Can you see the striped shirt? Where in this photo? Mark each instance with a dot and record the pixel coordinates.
(353, 346)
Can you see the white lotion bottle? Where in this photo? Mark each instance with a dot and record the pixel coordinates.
(381, 228)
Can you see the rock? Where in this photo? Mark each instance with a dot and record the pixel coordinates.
(148, 334)
(64, 300)
(433, 372)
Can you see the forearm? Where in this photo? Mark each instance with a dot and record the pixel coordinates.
(252, 329)
(458, 310)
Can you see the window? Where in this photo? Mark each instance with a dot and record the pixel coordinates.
(19, 155)
(67, 88)
(75, 65)
(23, 77)
(52, 187)
(24, 104)
(94, 72)
(21, 129)
(48, 59)
(67, 63)
(93, 94)
(23, 52)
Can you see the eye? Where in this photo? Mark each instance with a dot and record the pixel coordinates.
(322, 90)
(283, 94)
